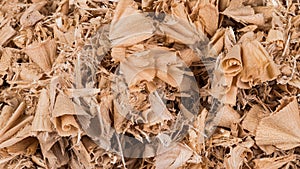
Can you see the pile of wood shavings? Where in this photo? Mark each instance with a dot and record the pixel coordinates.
(243, 54)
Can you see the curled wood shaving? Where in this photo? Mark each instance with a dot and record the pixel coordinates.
(43, 54)
(258, 67)
(243, 14)
(231, 64)
(63, 116)
(226, 116)
(209, 16)
(173, 157)
(244, 55)
(41, 121)
(53, 149)
(253, 118)
(125, 28)
(273, 163)
(237, 156)
(156, 62)
(280, 129)
(21, 144)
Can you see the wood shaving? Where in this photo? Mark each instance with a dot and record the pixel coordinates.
(89, 83)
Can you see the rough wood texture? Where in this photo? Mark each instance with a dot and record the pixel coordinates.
(73, 72)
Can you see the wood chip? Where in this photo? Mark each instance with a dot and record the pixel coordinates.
(32, 15)
(6, 33)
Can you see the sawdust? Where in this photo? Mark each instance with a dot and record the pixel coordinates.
(76, 73)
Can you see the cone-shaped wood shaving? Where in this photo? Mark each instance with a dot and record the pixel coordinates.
(41, 121)
(274, 163)
(43, 54)
(253, 117)
(280, 129)
(244, 14)
(226, 116)
(174, 157)
(63, 116)
(232, 62)
(78, 75)
(257, 65)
